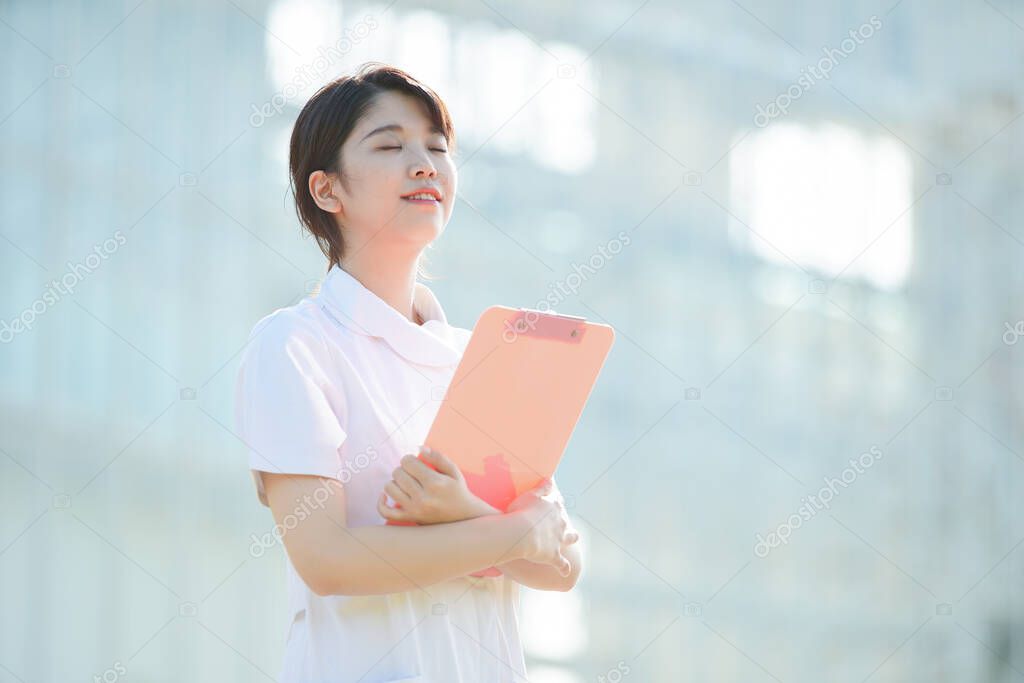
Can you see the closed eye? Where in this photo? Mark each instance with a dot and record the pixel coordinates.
(433, 149)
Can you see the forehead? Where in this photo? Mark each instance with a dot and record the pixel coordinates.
(396, 108)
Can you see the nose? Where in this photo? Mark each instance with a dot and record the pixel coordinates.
(422, 168)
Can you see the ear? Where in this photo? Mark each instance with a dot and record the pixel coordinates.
(322, 189)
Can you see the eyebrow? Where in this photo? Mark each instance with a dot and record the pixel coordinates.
(396, 128)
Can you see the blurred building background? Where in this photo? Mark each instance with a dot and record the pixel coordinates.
(803, 220)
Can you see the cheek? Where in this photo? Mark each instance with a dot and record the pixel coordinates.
(452, 174)
(373, 193)
(451, 171)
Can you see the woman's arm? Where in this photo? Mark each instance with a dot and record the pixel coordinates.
(544, 577)
(541, 577)
(439, 493)
(336, 560)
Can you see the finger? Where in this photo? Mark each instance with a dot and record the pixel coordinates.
(571, 537)
(389, 512)
(524, 499)
(397, 494)
(421, 471)
(409, 484)
(409, 465)
(563, 566)
(442, 462)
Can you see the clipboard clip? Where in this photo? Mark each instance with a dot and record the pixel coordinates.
(529, 322)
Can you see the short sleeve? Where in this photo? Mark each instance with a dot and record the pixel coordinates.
(286, 410)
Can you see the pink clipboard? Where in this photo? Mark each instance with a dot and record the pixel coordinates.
(515, 399)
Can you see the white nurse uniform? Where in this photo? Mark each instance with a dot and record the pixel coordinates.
(342, 385)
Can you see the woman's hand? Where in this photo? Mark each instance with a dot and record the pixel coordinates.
(550, 530)
(430, 496)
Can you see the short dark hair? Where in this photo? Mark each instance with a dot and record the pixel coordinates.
(325, 123)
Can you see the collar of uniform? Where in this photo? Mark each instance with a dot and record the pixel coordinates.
(351, 304)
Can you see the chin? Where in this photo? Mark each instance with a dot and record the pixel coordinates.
(424, 231)
(418, 236)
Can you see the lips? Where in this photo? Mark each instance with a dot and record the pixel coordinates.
(432, 192)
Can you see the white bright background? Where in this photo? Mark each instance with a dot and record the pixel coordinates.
(847, 276)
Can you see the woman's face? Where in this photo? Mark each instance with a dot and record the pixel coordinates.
(391, 153)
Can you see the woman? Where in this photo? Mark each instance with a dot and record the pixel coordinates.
(337, 392)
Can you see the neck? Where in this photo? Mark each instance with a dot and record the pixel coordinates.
(393, 279)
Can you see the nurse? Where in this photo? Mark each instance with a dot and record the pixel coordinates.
(336, 394)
